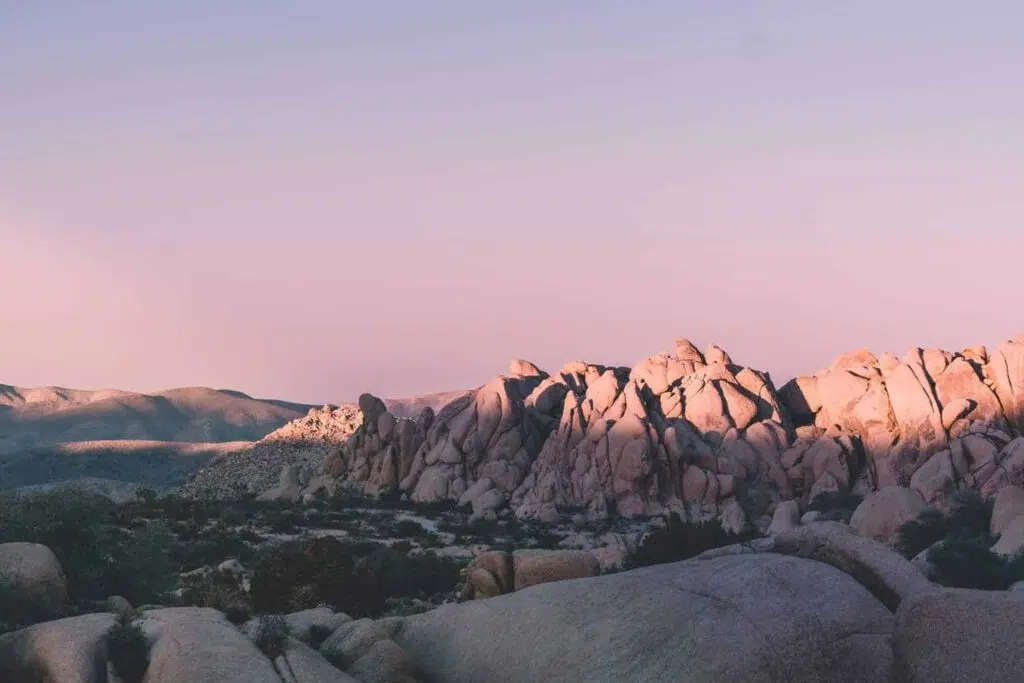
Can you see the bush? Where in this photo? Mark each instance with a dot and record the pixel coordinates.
(296, 575)
(223, 592)
(18, 610)
(917, 535)
(678, 540)
(394, 575)
(271, 635)
(408, 528)
(98, 557)
(318, 634)
(969, 563)
(968, 519)
(835, 506)
(128, 651)
(356, 579)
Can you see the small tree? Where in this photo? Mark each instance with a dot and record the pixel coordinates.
(271, 635)
(679, 540)
(128, 650)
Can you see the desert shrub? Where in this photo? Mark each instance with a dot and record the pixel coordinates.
(271, 635)
(409, 576)
(98, 557)
(293, 576)
(968, 519)
(917, 535)
(402, 547)
(408, 528)
(18, 610)
(835, 506)
(221, 591)
(318, 634)
(679, 540)
(357, 579)
(214, 545)
(969, 563)
(128, 651)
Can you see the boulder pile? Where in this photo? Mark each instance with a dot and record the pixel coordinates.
(696, 433)
(305, 442)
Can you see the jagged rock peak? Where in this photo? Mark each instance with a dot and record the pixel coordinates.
(371, 407)
(524, 368)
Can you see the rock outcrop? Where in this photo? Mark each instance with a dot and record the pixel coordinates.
(197, 645)
(71, 650)
(752, 618)
(303, 443)
(696, 433)
(33, 573)
(958, 635)
(495, 572)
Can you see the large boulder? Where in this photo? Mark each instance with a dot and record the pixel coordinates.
(1009, 505)
(1011, 541)
(889, 576)
(489, 574)
(881, 513)
(302, 664)
(533, 567)
(303, 624)
(33, 573)
(959, 636)
(69, 650)
(752, 618)
(198, 645)
(385, 662)
(785, 518)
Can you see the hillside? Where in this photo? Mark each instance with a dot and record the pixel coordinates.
(154, 464)
(110, 437)
(36, 418)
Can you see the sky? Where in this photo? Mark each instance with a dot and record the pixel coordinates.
(312, 199)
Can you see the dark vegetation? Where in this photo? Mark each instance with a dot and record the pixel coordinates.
(835, 506)
(968, 519)
(128, 651)
(679, 540)
(141, 549)
(958, 545)
(271, 635)
(359, 580)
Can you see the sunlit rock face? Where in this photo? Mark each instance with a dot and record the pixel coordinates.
(696, 433)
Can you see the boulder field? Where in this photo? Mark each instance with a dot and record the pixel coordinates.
(816, 604)
(693, 432)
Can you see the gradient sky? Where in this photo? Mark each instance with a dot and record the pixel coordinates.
(311, 199)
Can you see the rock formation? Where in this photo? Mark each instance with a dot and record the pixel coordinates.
(495, 572)
(696, 433)
(306, 441)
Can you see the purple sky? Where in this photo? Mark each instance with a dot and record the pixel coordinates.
(311, 199)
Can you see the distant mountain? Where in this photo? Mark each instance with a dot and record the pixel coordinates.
(52, 435)
(36, 418)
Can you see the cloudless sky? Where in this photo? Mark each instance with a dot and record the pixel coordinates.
(311, 199)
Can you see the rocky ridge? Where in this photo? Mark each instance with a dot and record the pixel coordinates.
(697, 433)
(304, 442)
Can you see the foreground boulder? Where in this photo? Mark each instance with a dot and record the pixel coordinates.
(69, 650)
(496, 573)
(882, 513)
(749, 618)
(34, 574)
(959, 636)
(198, 645)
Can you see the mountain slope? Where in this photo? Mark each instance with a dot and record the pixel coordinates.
(36, 418)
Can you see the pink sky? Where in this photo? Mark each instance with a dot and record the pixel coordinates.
(300, 212)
